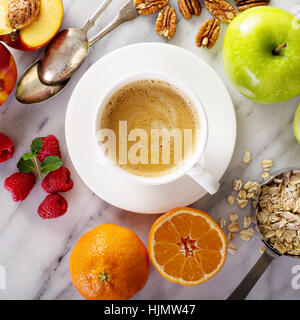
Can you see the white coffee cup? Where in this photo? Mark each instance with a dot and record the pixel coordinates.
(190, 167)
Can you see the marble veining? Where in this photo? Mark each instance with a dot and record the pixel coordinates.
(35, 252)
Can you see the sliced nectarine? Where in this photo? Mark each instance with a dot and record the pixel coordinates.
(40, 31)
(8, 73)
(46, 26)
(5, 27)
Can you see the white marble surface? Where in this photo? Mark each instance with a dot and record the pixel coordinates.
(35, 252)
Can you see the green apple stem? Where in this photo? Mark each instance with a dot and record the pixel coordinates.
(276, 51)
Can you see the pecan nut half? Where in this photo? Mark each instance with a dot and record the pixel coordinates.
(208, 33)
(146, 7)
(189, 7)
(247, 4)
(21, 13)
(221, 10)
(166, 22)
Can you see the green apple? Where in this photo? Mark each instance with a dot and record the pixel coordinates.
(261, 54)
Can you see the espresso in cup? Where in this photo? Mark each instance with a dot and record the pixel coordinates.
(156, 128)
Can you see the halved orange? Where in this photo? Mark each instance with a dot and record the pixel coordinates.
(187, 246)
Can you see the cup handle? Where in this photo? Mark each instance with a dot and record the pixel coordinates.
(204, 178)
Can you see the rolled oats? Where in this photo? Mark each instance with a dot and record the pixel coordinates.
(279, 233)
(222, 222)
(269, 234)
(233, 227)
(242, 194)
(295, 180)
(278, 212)
(232, 248)
(246, 222)
(251, 195)
(262, 217)
(247, 156)
(246, 234)
(279, 247)
(242, 203)
(253, 220)
(233, 217)
(267, 163)
(247, 185)
(255, 188)
(231, 199)
(237, 184)
(231, 235)
(265, 175)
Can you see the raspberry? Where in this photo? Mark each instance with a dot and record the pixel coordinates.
(50, 148)
(7, 148)
(20, 185)
(53, 206)
(58, 181)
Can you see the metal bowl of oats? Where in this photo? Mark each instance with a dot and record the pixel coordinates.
(278, 219)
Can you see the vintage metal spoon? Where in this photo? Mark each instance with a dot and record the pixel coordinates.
(30, 80)
(67, 51)
(31, 90)
(241, 292)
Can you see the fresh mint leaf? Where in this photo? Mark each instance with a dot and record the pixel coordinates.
(25, 166)
(28, 156)
(51, 163)
(36, 145)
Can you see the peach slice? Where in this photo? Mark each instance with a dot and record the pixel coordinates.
(5, 27)
(41, 31)
(8, 73)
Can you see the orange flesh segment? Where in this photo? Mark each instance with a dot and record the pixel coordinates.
(210, 241)
(165, 252)
(205, 258)
(175, 267)
(211, 258)
(199, 227)
(192, 270)
(46, 26)
(167, 233)
(183, 224)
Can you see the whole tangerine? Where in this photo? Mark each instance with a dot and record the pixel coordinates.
(109, 262)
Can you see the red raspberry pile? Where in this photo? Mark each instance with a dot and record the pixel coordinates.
(21, 183)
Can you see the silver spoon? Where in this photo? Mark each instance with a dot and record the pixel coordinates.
(68, 50)
(241, 292)
(31, 90)
(30, 81)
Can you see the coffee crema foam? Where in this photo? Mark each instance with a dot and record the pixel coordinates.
(150, 105)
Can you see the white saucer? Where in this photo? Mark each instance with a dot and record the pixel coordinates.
(121, 191)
